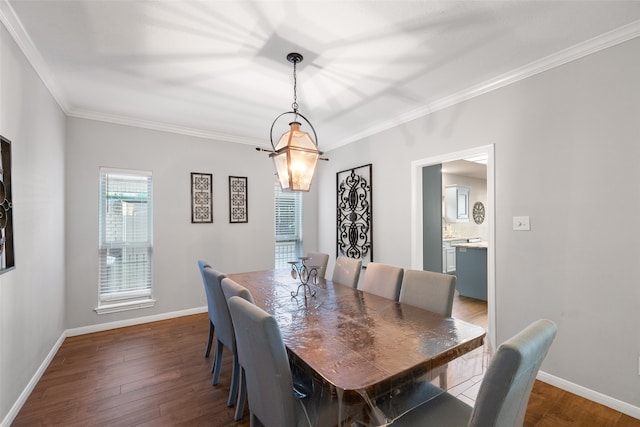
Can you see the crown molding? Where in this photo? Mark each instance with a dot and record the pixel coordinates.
(13, 25)
(164, 127)
(580, 50)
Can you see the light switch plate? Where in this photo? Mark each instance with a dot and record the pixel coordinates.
(521, 223)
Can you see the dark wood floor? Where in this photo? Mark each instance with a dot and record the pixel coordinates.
(155, 375)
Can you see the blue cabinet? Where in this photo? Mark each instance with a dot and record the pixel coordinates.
(471, 271)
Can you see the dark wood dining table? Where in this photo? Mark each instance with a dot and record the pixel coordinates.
(362, 346)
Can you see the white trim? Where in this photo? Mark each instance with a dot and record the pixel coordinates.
(131, 173)
(13, 25)
(416, 221)
(166, 127)
(135, 321)
(124, 306)
(603, 399)
(598, 43)
(580, 50)
(15, 409)
(618, 405)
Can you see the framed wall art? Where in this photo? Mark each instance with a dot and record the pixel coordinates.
(7, 261)
(354, 213)
(201, 198)
(238, 209)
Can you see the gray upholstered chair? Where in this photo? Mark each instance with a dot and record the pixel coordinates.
(225, 336)
(210, 306)
(504, 391)
(383, 280)
(431, 291)
(318, 259)
(230, 289)
(347, 271)
(269, 382)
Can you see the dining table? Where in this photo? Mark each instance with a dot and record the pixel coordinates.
(371, 353)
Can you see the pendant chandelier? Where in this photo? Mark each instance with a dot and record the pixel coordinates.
(296, 154)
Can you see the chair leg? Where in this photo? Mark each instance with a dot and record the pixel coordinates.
(210, 340)
(217, 363)
(235, 374)
(242, 396)
(443, 378)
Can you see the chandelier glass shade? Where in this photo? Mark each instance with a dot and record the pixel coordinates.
(295, 154)
(295, 159)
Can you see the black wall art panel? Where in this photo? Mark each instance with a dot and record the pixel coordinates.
(354, 213)
(201, 197)
(238, 207)
(7, 261)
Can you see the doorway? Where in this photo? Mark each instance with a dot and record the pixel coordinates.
(417, 232)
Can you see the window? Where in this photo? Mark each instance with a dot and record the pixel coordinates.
(125, 241)
(288, 206)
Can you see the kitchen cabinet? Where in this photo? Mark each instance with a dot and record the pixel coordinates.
(471, 270)
(456, 203)
(449, 255)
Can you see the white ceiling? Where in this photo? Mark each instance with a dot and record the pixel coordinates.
(218, 69)
(465, 168)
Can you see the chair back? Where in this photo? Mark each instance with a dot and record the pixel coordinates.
(347, 271)
(428, 290)
(231, 288)
(210, 304)
(318, 259)
(221, 316)
(263, 356)
(383, 280)
(506, 386)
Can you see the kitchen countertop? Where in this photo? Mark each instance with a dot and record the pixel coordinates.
(453, 238)
(479, 245)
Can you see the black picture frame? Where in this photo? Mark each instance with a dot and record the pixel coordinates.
(201, 198)
(238, 200)
(354, 216)
(7, 259)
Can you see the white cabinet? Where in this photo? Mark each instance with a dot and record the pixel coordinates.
(449, 255)
(456, 203)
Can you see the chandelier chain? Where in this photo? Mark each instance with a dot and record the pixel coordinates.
(295, 87)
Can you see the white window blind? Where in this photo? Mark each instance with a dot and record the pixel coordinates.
(126, 237)
(288, 217)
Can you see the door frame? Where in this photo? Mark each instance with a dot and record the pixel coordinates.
(416, 221)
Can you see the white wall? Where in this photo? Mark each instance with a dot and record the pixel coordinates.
(567, 147)
(178, 243)
(31, 295)
(54, 285)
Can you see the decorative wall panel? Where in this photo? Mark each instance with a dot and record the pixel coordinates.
(201, 197)
(238, 209)
(354, 213)
(7, 261)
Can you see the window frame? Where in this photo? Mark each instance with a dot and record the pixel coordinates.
(283, 242)
(139, 244)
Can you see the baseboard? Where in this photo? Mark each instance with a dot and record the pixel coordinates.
(603, 399)
(131, 322)
(6, 422)
(13, 412)
(618, 405)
